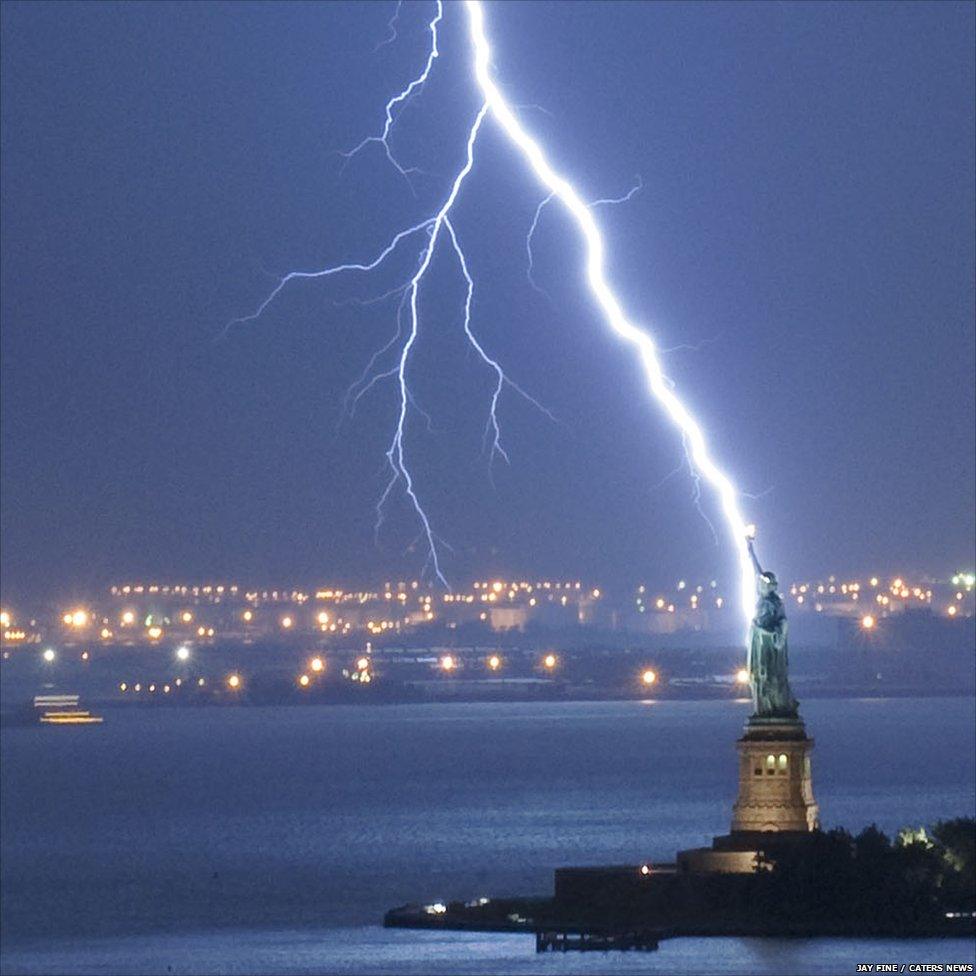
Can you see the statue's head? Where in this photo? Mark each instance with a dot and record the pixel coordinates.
(768, 583)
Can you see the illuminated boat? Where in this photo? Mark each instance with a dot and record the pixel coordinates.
(63, 710)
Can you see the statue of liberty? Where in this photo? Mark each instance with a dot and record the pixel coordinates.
(768, 659)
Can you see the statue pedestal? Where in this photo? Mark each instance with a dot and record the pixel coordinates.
(775, 807)
(775, 788)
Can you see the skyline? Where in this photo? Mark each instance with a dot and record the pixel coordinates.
(133, 441)
(152, 612)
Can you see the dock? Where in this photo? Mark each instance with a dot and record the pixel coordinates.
(603, 940)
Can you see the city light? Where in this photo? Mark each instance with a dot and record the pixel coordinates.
(233, 681)
(323, 618)
(316, 664)
(155, 633)
(123, 686)
(128, 618)
(645, 869)
(248, 616)
(303, 680)
(549, 661)
(952, 610)
(494, 662)
(286, 622)
(84, 655)
(447, 662)
(4, 618)
(49, 654)
(648, 677)
(79, 618)
(867, 622)
(183, 653)
(362, 663)
(742, 676)
(186, 616)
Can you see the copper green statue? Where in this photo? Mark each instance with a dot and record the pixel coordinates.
(768, 657)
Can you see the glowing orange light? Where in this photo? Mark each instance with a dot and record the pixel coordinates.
(362, 663)
(234, 681)
(494, 662)
(286, 622)
(447, 662)
(742, 676)
(248, 616)
(316, 664)
(549, 661)
(648, 677)
(303, 680)
(867, 622)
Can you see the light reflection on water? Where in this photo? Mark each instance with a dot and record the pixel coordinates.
(273, 839)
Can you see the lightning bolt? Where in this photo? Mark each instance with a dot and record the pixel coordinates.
(562, 190)
(557, 188)
(398, 100)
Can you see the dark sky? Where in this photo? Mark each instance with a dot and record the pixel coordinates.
(807, 216)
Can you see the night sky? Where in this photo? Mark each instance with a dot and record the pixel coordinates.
(805, 230)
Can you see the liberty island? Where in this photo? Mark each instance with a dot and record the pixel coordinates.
(768, 875)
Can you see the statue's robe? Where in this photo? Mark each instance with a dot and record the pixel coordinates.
(769, 660)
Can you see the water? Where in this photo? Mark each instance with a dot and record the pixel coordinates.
(272, 840)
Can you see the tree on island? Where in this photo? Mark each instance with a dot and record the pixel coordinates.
(869, 881)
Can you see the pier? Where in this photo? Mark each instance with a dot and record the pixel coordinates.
(590, 940)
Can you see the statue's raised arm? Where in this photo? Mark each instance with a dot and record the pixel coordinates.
(752, 555)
